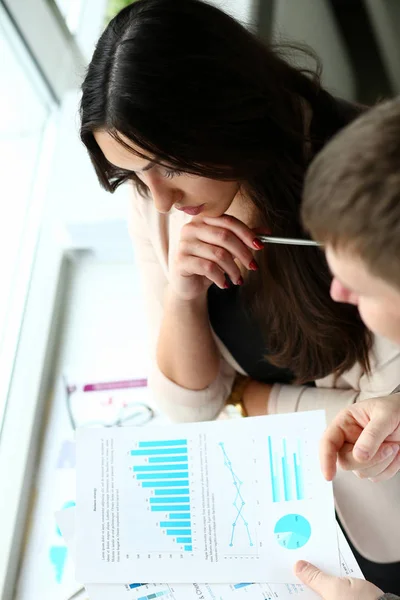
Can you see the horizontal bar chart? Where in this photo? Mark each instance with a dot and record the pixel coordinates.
(161, 468)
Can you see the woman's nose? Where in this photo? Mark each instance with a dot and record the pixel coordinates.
(164, 194)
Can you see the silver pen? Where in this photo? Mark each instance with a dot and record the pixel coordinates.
(269, 239)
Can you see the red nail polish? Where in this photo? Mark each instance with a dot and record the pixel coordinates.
(226, 285)
(253, 265)
(240, 281)
(258, 245)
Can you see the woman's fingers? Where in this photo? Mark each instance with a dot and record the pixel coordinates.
(212, 249)
(214, 254)
(244, 233)
(194, 265)
(237, 240)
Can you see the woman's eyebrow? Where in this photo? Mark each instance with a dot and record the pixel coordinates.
(149, 166)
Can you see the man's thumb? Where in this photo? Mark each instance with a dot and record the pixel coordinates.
(312, 577)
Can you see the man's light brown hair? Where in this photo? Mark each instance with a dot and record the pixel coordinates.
(351, 196)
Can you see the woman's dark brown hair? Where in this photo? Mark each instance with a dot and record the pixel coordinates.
(193, 88)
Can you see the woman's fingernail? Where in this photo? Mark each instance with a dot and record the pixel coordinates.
(240, 281)
(258, 245)
(301, 565)
(253, 265)
(360, 454)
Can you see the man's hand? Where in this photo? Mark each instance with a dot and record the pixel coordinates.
(364, 438)
(335, 588)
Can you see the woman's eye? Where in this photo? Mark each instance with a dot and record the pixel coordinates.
(170, 173)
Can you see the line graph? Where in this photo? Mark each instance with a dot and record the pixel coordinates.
(238, 503)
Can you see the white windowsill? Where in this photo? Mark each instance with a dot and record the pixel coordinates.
(78, 215)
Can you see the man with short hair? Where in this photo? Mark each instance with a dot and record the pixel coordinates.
(351, 204)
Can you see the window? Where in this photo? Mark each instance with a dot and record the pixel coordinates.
(25, 107)
(71, 11)
(84, 19)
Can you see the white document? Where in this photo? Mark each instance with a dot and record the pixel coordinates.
(187, 591)
(219, 501)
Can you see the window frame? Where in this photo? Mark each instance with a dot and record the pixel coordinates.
(41, 270)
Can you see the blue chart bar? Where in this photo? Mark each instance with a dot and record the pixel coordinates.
(238, 586)
(175, 524)
(177, 475)
(175, 532)
(298, 473)
(162, 443)
(133, 586)
(169, 499)
(143, 468)
(160, 451)
(169, 492)
(156, 508)
(286, 471)
(161, 467)
(158, 484)
(168, 459)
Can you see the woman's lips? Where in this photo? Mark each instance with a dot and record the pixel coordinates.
(191, 210)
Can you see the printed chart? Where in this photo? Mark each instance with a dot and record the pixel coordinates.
(161, 468)
(292, 532)
(202, 501)
(144, 591)
(286, 470)
(240, 521)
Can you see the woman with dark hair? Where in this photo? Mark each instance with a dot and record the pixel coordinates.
(215, 130)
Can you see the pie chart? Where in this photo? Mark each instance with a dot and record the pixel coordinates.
(292, 532)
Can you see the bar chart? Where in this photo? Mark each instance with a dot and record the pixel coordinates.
(239, 586)
(286, 470)
(150, 591)
(161, 467)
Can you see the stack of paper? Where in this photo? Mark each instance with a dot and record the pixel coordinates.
(233, 501)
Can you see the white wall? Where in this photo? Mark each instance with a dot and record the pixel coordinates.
(312, 22)
(243, 10)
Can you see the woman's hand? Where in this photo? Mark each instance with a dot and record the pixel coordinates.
(335, 588)
(208, 249)
(364, 438)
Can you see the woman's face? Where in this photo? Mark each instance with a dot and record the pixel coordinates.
(169, 188)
